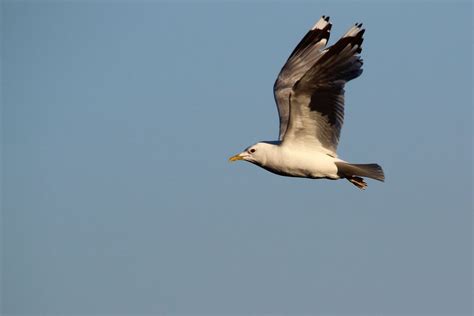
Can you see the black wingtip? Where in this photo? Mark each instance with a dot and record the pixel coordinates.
(321, 30)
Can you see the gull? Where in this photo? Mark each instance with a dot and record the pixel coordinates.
(309, 94)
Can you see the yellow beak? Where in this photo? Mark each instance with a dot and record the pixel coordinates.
(236, 157)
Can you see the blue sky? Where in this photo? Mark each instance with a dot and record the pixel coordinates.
(117, 122)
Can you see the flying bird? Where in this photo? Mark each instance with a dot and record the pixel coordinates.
(309, 94)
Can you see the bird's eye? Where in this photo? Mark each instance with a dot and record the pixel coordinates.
(252, 150)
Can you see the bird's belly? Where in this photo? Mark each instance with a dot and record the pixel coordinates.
(305, 166)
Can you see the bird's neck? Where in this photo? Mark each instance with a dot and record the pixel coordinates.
(273, 153)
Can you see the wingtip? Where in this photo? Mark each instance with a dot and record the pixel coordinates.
(322, 23)
(355, 31)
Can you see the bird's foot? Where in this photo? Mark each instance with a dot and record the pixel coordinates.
(358, 182)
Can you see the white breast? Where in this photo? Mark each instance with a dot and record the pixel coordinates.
(301, 162)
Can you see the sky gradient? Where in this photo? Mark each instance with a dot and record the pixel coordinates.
(117, 196)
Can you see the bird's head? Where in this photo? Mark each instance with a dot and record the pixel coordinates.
(256, 154)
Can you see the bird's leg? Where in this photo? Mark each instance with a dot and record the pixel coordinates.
(358, 182)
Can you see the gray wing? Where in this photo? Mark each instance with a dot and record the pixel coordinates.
(317, 99)
(299, 62)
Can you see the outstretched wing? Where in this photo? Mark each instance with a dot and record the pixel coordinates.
(317, 98)
(299, 62)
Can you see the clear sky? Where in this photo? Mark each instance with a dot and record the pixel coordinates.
(119, 117)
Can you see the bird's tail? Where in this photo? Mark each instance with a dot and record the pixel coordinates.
(355, 172)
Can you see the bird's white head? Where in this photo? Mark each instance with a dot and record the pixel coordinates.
(256, 154)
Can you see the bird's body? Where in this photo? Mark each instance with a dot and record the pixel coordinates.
(296, 160)
(309, 93)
